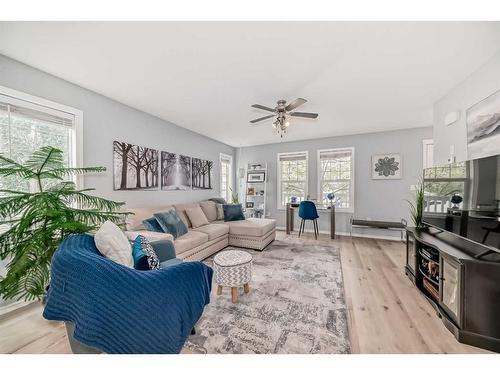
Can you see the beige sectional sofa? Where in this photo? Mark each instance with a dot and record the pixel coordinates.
(201, 242)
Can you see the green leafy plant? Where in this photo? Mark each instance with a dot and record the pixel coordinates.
(417, 207)
(38, 221)
(234, 196)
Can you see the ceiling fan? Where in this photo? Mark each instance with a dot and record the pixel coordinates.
(282, 112)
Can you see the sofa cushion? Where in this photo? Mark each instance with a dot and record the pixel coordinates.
(171, 223)
(233, 212)
(145, 257)
(189, 241)
(152, 225)
(252, 227)
(218, 200)
(210, 210)
(196, 217)
(113, 244)
(181, 211)
(213, 230)
(137, 215)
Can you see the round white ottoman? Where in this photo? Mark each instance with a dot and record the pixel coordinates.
(233, 268)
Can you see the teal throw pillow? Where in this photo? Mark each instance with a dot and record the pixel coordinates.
(233, 212)
(171, 223)
(152, 225)
(144, 255)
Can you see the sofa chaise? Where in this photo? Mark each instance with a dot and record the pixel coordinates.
(201, 242)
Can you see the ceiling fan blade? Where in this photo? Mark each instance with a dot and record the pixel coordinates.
(261, 119)
(304, 114)
(263, 107)
(297, 102)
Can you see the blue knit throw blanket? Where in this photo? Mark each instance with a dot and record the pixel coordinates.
(117, 309)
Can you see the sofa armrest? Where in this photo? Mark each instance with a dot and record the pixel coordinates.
(149, 235)
(164, 249)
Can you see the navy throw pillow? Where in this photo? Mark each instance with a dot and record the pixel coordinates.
(171, 223)
(152, 225)
(233, 212)
(144, 255)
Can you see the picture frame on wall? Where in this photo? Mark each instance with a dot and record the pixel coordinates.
(483, 127)
(386, 167)
(134, 167)
(256, 176)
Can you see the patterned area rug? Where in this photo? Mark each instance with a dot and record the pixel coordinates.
(295, 305)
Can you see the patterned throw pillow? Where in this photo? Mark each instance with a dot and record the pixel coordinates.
(220, 211)
(144, 255)
(233, 212)
(171, 223)
(152, 225)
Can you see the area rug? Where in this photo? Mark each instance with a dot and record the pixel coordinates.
(295, 305)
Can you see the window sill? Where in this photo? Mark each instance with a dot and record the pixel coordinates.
(337, 210)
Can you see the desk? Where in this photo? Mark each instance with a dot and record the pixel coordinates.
(290, 217)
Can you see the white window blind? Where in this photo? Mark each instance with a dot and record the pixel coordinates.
(225, 177)
(336, 175)
(24, 129)
(292, 177)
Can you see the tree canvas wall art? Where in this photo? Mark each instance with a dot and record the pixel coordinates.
(135, 167)
(202, 173)
(175, 171)
(483, 127)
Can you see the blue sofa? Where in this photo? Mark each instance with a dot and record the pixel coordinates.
(111, 308)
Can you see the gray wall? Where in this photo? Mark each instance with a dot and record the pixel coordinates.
(375, 199)
(105, 121)
(479, 85)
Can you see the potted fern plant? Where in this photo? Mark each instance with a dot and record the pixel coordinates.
(37, 222)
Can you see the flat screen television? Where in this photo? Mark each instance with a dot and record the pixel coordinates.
(464, 199)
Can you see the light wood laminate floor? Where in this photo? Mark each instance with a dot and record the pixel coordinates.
(386, 313)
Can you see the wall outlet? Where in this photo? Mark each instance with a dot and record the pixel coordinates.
(413, 187)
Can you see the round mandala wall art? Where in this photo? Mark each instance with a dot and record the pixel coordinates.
(386, 167)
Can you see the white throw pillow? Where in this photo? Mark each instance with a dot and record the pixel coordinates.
(113, 244)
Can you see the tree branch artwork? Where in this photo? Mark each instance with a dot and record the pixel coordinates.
(175, 171)
(202, 173)
(135, 167)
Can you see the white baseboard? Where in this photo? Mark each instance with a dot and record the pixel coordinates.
(361, 235)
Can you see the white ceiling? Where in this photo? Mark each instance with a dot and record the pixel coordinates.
(359, 76)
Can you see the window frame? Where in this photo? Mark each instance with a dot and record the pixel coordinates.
(353, 176)
(230, 177)
(278, 175)
(425, 152)
(34, 102)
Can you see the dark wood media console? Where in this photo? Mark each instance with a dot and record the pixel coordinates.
(461, 280)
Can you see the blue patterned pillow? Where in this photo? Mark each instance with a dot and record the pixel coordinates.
(171, 223)
(233, 212)
(152, 225)
(144, 255)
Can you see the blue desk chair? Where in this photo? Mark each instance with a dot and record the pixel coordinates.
(307, 211)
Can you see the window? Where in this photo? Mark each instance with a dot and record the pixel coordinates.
(428, 153)
(292, 177)
(441, 183)
(336, 175)
(28, 123)
(226, 185)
